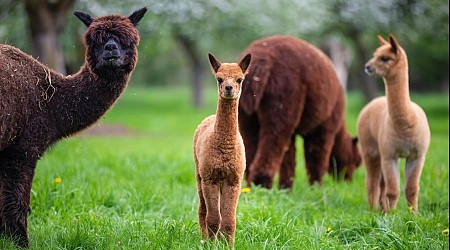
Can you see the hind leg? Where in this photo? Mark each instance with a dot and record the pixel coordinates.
(391, 178)
(413, 171)
(201, 209)
(287, 170)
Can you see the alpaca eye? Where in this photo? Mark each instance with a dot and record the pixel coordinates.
(239, 80)
(219, 80)
(385, 58)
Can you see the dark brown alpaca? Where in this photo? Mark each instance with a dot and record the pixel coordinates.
(292, 89)
(39, 106)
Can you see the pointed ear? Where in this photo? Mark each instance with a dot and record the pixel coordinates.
(381, 40)
(137, 16)
(245, 62)
(85, 18)
(215, 64)
(394, 43)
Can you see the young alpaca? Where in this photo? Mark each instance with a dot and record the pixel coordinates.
(390, 128)
(219, 154)
(39, 106)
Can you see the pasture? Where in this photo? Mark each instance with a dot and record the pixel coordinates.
(135, 188)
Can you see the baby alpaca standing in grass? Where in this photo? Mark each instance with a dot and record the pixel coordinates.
(219, 154)
(392, 127)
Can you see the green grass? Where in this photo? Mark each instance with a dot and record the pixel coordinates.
(138, 191)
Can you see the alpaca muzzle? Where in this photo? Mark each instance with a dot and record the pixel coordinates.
(111, 51)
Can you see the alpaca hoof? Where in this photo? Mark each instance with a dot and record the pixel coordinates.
(262, 180)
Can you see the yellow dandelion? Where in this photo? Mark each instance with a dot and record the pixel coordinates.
(445, 231)
(410, 208)
(245, 190)
(57, 180)
(328, 229)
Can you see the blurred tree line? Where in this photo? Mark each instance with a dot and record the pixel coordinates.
(176, 35)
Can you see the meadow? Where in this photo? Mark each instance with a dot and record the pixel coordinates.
(136, 189)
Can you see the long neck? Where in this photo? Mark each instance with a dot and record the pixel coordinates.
(397, 93)
(80, 100)
(226, 125)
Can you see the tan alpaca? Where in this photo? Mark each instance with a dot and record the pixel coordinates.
(392, 127)
(219, 154)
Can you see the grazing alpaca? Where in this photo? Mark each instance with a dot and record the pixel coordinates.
(390, 128)
(39, 106)
(345, 157)
(291, 90)
(219, 154)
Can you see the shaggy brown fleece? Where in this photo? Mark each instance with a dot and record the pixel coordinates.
(39, 106)
(292, 89)
(219, 154)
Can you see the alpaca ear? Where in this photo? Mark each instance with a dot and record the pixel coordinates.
(137, 16)
(85, 18)
(245, 62)
(381, 40)
(394, 43)
(215, 64)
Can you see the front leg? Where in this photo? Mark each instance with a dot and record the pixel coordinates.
(287, 170)
(317, 150)
(228, 205)
(391, 179)
(211, 194)
(413, 171)
(16, 179)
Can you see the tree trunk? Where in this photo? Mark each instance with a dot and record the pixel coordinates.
(46, 21)
(368, 83)
(341, 58)
(196, 66)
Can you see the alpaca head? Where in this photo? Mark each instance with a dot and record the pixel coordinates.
(229, 76)
(354, 159)
(346, 161)
(387, 59)
(111, 43)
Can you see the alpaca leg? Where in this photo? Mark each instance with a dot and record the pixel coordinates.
(201, 209)
(287, 170)
(249, 128)
(228, 204)
(15, 201)
(413, 171)
(374, 180)
(317, 147)
(391, 178)
(211, 193)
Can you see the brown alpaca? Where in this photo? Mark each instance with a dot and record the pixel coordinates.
(392, 127)
(219, 154)
(345, 157)
(39, 106)
(291, 90)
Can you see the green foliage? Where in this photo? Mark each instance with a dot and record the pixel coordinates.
(138, 191)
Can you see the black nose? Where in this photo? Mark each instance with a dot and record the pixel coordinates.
(228, 88)
(111, 50)
(111, 45)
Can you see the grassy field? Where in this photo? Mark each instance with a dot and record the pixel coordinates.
(137, 190)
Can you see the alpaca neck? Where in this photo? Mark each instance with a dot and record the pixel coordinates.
(82, 99)
(397, 93)
(226, 125)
